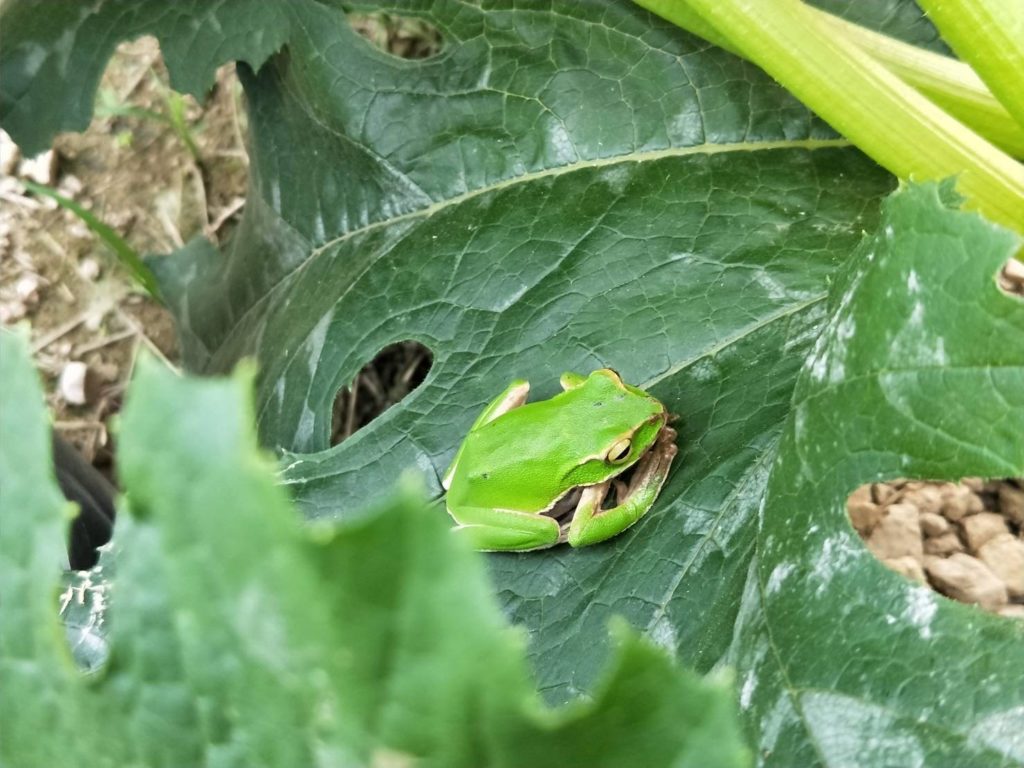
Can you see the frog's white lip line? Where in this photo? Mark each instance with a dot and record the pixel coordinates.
(663, 415)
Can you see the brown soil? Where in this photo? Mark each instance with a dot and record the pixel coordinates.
(965, 540)
(87, 318)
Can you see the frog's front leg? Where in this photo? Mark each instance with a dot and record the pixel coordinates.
(591, 524)
(514, 395)
(503, 530)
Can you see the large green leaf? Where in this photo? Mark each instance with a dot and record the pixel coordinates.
(243, 638)
(33, 515)
(919, 372)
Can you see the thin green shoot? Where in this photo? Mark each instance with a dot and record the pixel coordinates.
(125, 254)
(988, 35)
(174, 116)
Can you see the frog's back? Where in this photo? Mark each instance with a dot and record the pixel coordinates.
(536, 447)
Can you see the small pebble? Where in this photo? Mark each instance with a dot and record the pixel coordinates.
(1011, 502)
(966, 579)
(89, 269)
(42, 169)
(74, 385)
(928, 500)
(863, 493)
(946, 544)
(864, 515)
(1012, 611)
(981, 527)
(959, 503)
(976, 484)
(27, 288)
(883, 493)
(898, 534)
(907, 566)
(933, 524)
(1004, 556)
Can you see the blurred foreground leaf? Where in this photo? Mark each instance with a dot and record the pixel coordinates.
(243, 637)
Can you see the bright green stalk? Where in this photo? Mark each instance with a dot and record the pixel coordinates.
(951, 84)
(988, 35)
(886, 118)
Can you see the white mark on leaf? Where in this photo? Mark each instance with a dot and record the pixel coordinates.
(778, 575)
(315, 342)
(779, 716)
(853, 733)
(1003, 732)
(921, 608)
(747, 691)
(663, 634)
(617, 178)
(835, 556)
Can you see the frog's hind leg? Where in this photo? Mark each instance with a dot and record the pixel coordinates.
(514, 395)
(503, 530)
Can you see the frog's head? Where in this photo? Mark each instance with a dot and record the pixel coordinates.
(625, 423)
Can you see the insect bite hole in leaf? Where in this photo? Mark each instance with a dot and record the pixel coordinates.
(403, 37)
(1011, 278)
(963, 540)
(386, 380)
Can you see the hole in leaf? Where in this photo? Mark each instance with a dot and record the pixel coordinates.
(964, 540)
(395, 372)
(405, 37)
(1011, 278)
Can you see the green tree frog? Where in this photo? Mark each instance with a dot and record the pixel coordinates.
(532, 475)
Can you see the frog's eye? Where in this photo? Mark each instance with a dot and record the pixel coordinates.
(619, 452)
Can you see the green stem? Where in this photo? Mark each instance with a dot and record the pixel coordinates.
(951, 84)
(886, 118)
(127, 255)
(988, 35)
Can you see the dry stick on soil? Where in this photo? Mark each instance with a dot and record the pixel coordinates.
(148, 60)
(170, 228)
(408, 373)
(226, 213)
(104, 342)
(58, 332)
(236, 124)
(350, 413)
(371, 380)
(55, 247)
(143, 338)
(199, 182)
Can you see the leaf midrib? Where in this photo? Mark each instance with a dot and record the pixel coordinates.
(526, 178)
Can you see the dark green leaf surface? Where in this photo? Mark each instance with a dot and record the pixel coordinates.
(242, 638)
(591, 187)
(918, 373)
